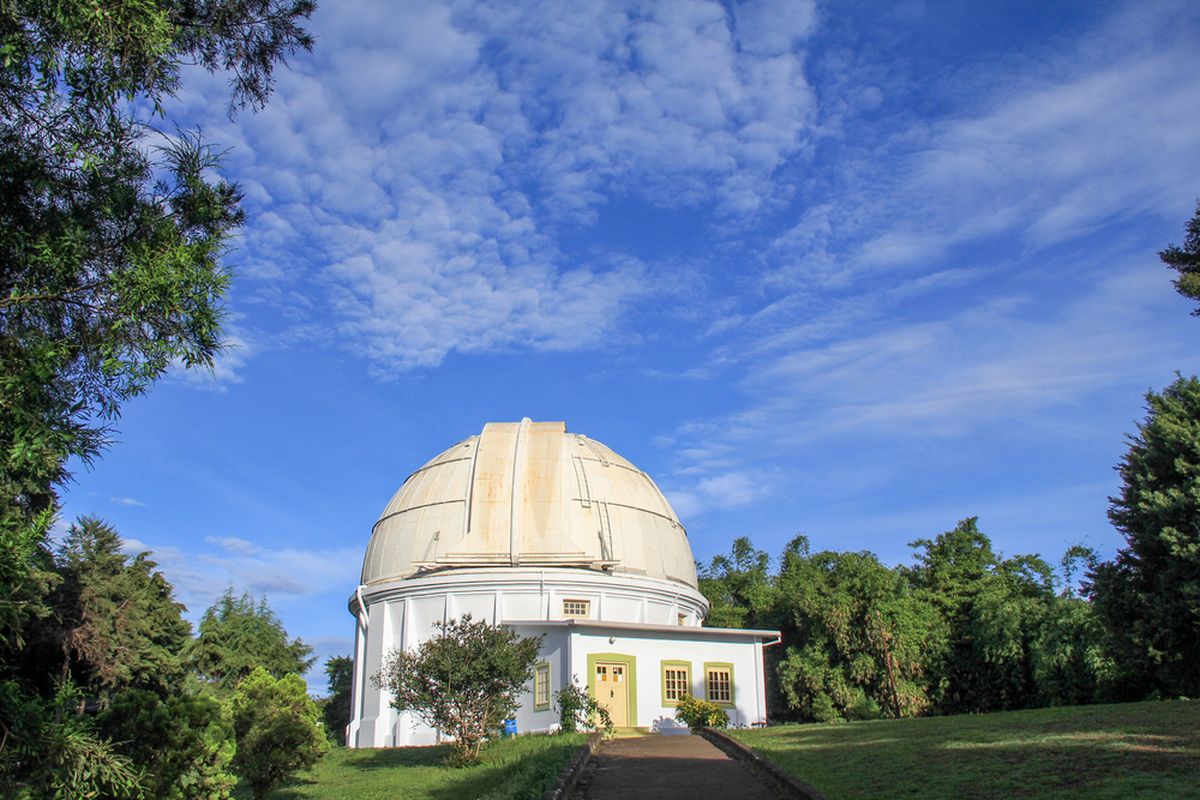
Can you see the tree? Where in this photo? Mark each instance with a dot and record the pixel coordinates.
(994, 609)
(183, 742)
(238, 635)
(1149, 597)
(464, 681)
(738, 587)
(1070, 664)
(120, 626)
(110, 232)
(49, 750)
(1186, 261)
(336, 710)
(858, 641)
(278, 730)
(26, 579)
(113, 644)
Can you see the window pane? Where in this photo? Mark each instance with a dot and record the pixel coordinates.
(720, 685)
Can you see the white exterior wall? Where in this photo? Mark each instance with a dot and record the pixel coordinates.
(693, 645)
(402, 614)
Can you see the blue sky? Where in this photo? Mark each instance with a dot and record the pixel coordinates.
(856, 270)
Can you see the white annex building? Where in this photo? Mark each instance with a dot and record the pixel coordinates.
(549, 533)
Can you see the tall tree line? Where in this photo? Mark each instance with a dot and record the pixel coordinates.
(962, 629)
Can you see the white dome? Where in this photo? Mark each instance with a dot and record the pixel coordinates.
(529, 494)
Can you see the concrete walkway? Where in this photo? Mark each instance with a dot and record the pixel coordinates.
(666, 768)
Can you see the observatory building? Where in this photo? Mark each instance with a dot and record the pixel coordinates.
(548, 533)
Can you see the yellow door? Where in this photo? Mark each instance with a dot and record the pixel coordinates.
(612, 691)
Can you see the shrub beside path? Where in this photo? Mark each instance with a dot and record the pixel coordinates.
(666, 768)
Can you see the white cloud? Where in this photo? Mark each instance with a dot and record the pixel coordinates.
(419, 176)
(1053, 148)
(715, 491)
(200, 576)
(1061, 145)
(228, 365)
(128, 501)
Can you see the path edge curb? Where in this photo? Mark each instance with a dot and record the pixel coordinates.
(784, 781)
(565, 784)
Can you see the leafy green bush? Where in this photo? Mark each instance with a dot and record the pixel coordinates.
(57, 754)
(278, 730)
(578, 709)
(697, 713)
(464, 681)
(183, 743)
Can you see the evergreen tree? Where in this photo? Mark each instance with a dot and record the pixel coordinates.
(120, 626)
(238, 635)
(183, 742)
(1149, 597)
(278, 730)
(337, 711)
(1186, 261)
(111, 233)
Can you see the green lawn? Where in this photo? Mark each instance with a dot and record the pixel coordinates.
(1132, 750)
(512, 769)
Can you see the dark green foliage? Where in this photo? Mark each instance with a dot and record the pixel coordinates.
(962, 630)
(994, 609)
(238, 635)
(697, 713)
(738, 586)
(1070, 663)
(578, 710)
(1186, 261)
(110, 233)
(119, 625)
(184, 742)
(336, 710)
(26, 579)
(463, 681)
(51, 751)
(1149, 597)
(278, 730)
(115, 634)
(858, 640)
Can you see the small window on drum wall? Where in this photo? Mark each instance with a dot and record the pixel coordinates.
(577, 608)
(541, 686)
(676, 681)
(718, 683)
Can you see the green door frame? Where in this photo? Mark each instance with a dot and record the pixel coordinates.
(630, 663)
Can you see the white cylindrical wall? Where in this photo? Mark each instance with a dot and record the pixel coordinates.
(404, 613)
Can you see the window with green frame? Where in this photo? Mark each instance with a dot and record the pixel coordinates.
(541, 686)
(676, 681)
(718, 683)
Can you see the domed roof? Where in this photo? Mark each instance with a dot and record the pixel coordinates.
(529, 494)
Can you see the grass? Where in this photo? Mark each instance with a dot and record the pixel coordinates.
(521, 768)
(1132, 750)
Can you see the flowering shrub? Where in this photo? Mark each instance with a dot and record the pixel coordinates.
(697, 713)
